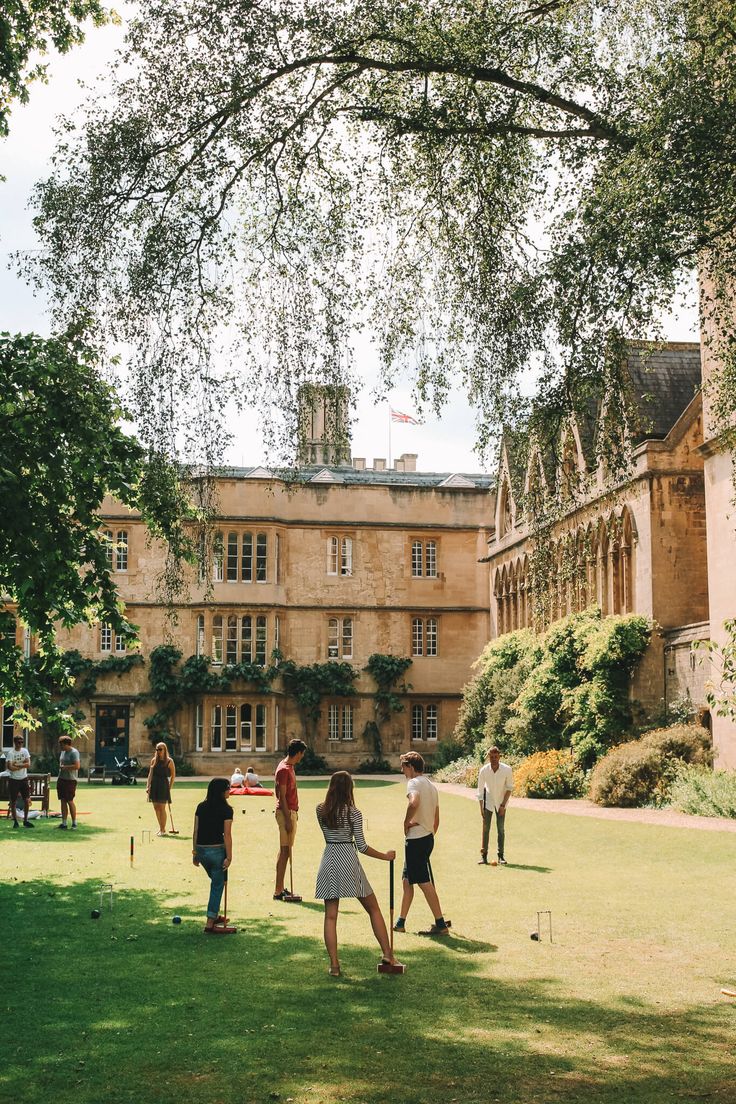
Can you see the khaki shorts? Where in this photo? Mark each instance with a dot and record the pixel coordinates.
(286, 839)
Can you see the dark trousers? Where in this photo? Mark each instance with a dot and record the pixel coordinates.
(500, 830)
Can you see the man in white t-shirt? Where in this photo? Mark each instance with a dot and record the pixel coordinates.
(420, 827)
(495, 783)
(19, 763)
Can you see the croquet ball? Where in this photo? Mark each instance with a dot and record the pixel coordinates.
(493, 862)
(95, 914)
(535, 936)
(176, 919)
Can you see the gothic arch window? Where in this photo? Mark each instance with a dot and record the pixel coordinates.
(505, 520)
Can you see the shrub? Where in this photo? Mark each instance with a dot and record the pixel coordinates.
(463, 771)
(552, 773)
(704, 792)
(447, 751)
(312, 763)
(183, 767)
(642, 771)
(374, 766)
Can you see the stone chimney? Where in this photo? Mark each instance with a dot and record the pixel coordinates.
(409, 461)
(379, 463)
(399, 465)
(359, 463)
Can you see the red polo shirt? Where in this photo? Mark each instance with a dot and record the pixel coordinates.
(285, 776)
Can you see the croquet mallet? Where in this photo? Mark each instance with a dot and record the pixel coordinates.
(383, 966)
(225, 928)
(172, 831)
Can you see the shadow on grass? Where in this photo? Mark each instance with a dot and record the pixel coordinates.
(46, 830)
(133, 1008)
(534, 869)
(307, 783)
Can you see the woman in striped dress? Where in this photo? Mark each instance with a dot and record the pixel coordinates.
(340, 873)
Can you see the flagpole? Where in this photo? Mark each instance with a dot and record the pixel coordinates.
(389, 436)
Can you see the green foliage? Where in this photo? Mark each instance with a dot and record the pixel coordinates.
(376, 765)
(172, 685)
(400, 127)
(62, 451)
(28, 31)
(567, 688)
(385, 670)
(309, 684)
(704, 792)
(554, 773)
(447, 752)
(463, 771)
(312, 763)
(641, 772)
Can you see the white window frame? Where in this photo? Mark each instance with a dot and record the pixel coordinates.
(347, 723)
(231, 727)
(432, 636)
(417, 559)
(217, 640)
(232, 558)
(260, 649)
(276, 720)
(105, 637)
(199, 727)
(261, 557)
(231, 639)
(432, 721)
(417, 722)
(216, 729)
(333, 723)
(417, 636)
(261, 726)
(277, 558)
(120, 645)
(246, 726)
(246, 558)
(121, 550)
(333, 555)
(346, 638)
(200, 639)
(109, 547)
(346, 556)
(218, 558)
(430, 559)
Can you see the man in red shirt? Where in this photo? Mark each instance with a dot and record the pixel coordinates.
(287, 807)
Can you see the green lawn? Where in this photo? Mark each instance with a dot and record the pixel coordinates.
(623, 1007)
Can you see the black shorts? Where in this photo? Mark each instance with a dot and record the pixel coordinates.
(66, 788)
(416, 860)
(19, 786)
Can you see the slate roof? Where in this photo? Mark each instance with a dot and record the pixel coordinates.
(367, 478)
(663, 383)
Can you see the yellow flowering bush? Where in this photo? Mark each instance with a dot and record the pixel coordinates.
(552, 773)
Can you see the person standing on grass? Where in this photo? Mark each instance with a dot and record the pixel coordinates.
(19, 784)
(340, 873)
(287, 810)
(159, 784)
(420, 827)
(66, 783)
(212, 848)
(495, 783)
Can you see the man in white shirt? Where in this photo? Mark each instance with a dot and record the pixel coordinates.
(420, 827)
(495, 783)
(18, 763)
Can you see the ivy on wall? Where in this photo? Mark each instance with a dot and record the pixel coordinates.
(385, 670)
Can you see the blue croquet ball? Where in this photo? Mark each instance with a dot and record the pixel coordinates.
(176, 919)
(95, 914)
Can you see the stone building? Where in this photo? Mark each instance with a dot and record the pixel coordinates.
(636, 546)
(349, 562)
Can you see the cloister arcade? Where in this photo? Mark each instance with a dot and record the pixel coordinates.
(590, 565)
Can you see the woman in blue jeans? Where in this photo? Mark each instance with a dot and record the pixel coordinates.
(212, 841)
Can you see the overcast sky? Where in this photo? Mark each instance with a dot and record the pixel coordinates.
(442, 445)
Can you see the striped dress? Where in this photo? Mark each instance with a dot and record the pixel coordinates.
(340, 873)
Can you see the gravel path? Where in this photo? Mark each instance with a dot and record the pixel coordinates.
(666, 818)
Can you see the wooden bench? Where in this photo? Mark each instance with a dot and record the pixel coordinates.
(39, 791)
(96, 773)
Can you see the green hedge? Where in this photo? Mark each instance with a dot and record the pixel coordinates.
(642, 772)
(566, 688)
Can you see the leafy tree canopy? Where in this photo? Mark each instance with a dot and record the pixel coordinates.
(28, 30)
(62, 450)
(484, 187)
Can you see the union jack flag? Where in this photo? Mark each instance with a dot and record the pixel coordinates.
(397, 416)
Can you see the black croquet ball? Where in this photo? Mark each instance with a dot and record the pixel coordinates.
(95, 914)
(535, 936)
(176, 919)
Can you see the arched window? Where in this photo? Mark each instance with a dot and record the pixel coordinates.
(261, 558)
(246, 726)
(231, 640)
(217, 639)
(231, 728)
(246, 639)
(346, 556)
(121, 550)
(200, 644)
(218, 554)
(232, 557)
(333, 553)
(246, 561)
(261, 641)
